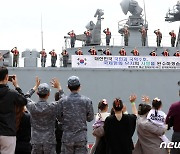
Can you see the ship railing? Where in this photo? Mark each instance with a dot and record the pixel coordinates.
(118, 40)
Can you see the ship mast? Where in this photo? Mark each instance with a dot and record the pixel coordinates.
(41, 33)
(144, 12)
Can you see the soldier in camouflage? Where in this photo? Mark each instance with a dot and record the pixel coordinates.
(75, 111)
(43, 116)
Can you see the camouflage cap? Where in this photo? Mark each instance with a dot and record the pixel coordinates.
(73, 81)
(43, 89)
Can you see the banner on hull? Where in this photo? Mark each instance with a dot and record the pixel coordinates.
(125, 62)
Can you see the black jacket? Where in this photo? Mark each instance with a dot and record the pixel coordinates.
(23, 134)
(8, 99)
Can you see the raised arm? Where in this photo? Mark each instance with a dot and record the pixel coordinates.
(20, 97)
(31, 91)
(132, 99)
(56, 84)
(145, 99)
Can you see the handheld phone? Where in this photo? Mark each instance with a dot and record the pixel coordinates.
(11, 77)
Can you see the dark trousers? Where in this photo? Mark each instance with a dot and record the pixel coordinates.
(65, 61)
(173, 40)
(88, 41)
(53, 62)
(107, 40)
(72, 43)
(15, 62)
(143, 41)
(126, 41)
(101, 148)
(43, 62)
(158, 41)
(176, 138)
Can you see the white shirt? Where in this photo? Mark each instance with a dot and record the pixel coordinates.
(159, 119)
(104, 115)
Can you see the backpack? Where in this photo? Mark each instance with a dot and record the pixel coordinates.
(98, 127)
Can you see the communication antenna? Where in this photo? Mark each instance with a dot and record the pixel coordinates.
(41, 33)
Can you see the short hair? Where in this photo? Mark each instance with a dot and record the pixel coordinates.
(42, 95)
(143, 108)
(72, 88)
(118, 104)
(3, 73)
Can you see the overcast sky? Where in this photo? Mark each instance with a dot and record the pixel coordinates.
(20, 20)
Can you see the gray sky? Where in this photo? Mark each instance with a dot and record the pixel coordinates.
(20, 20)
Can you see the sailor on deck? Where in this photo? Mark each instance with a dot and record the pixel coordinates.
(153, 53)
(107, 52)
(158, 37)
(15, 56)
(126, 34)
(108, 35)
(65, 58)
(43, 58)
(135, 52)
(173, 38)
(143, 32)
(122, 52)
(177, 53)
(53, 58)
(73, 38)
(79, 52)
(165, 53)
(88, 37)
(92, 51)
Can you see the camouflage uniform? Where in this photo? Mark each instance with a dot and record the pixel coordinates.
(75, 110)
(43, 117)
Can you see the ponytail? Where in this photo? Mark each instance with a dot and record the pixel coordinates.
(156, 104)
(118, 104)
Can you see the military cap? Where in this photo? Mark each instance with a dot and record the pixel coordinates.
(73, 81)
(43, 89)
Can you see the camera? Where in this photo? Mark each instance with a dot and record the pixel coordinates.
(11, 77)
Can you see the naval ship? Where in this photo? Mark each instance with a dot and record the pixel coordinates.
(100, 77)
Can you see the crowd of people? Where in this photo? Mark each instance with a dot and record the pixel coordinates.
(60, 125)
